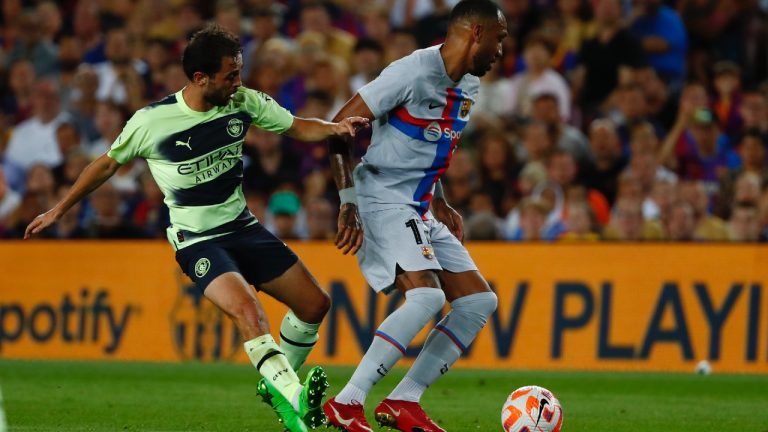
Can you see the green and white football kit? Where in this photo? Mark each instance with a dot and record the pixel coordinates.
(196, 159)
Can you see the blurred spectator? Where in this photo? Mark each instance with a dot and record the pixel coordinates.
(82, 104)
(17, 103)
(663, 38)
(726, 103)
(658, 203)
(269, 165)
(498, 169)
(603, 60)
(9, 199)
(33, 45)
(150, 213)
(368, 61)
(284, 207)
(106, 220)
(580, 224)
(482, 226)
(32, 204)
(632, 111)
(561, 172)
(376, 24)
(321, 220)
(70, 53)
(708, 227)
(681, 224)
(578, 25)
(120, 77)
(538, 142)
(265, 25)
(460, 180)
(754, 114)
(523, 17)
(752, 153)
(533, 216)
(34, 140)
(627, 223)
(567, 137)
(701, 151)
(744, 225)
(402, 42)
(538, 78)
(87, 27)
(68, 226)
(315, 18)
(608, 162)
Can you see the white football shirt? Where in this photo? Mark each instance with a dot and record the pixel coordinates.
(420, 113)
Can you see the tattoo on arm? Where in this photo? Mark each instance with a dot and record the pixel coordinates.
(340, 149)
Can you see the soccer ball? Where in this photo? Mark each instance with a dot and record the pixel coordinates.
(532, 409)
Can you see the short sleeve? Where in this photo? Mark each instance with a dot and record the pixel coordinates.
(133, 141)
(391, 88)
(266, 113)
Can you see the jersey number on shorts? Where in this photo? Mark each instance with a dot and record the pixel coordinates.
(414, 226)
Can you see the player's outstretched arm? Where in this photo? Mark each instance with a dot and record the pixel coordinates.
(349, 236)
(447, 214)
(316, 129)
(92, 177)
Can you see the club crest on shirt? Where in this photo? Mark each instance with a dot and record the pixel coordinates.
(235, 128)
(427, 252)
(466, 105)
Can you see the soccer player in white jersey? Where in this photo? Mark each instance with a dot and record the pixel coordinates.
(421, 104)
(192, 141)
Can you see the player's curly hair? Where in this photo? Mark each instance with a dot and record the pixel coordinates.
(206, 48)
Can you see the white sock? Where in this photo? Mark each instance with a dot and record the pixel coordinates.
(445, 344)
(390, 341)
(297, 339)
(272, 364)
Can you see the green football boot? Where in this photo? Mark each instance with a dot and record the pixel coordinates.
(284, 410)
(311, 398)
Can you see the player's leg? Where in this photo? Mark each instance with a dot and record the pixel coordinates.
(275, 269)
(308, 304)
(394, 253)
(472, 302)
(216, 273)
(423, 299)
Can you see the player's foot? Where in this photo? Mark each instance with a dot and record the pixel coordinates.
(404, 416)
(348, 418)
(311, 398)
(284, 410)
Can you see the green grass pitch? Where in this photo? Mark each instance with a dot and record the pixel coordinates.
(116, 396)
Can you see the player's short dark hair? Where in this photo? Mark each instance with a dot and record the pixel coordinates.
(474, 9)
(206, 49)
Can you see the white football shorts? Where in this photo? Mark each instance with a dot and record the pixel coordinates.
(399, 237)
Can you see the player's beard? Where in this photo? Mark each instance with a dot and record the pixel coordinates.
(480, 65)
(218, 98)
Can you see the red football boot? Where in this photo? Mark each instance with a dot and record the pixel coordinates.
(404, 416)
(348, 418)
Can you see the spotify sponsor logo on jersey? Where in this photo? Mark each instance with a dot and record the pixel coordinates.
(433, 132)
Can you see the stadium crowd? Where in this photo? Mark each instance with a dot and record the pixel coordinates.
(619, 120)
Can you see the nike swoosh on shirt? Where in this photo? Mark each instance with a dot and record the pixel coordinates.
(341, 419)
(433, 106)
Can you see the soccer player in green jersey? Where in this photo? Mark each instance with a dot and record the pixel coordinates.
(192, 141)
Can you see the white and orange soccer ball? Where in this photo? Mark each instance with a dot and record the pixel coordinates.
(532, 409)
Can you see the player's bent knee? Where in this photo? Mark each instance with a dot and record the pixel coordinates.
(431, 299)
(313, 309)
(482, 303)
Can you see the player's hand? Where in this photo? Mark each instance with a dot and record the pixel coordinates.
(450, 217)
(40, 223)
(350, 125)
(350, 230)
